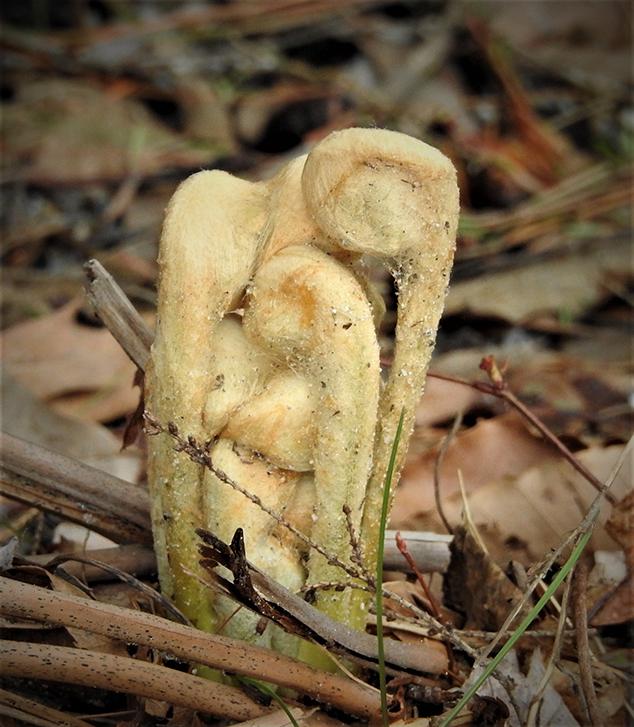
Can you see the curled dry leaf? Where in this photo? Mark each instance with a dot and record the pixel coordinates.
(475, 585)
(612, 604)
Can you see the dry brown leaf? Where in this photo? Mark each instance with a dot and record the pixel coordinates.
(183, 717)
(576, 397)
(619, 606)
(616, 600)
(25, 417)
(492, 449)
(530, 513)
(475, 585)
(584, 396)
(520, 294)
(77, 368)
(620, 526)
(609, 685)
(159, 708)
(66, 131)
(442, 400)
(408, 591)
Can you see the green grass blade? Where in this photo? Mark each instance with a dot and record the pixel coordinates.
(558, 580)
(379, 569)
(267, 690)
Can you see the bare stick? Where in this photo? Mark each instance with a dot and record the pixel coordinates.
(499, 388)
(430, 551)
(121, 674)
(23, 600)
(82, 494)
(580, 615)
(118, 314)
(22, 708)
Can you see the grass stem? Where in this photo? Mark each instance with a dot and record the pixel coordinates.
(379, 570)
(557, 581)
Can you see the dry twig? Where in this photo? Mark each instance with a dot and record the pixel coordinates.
(300, 617)
(21, 600)
(121, 674)
(117, 509)
(580, 615)
(118, 314)
(498, 387)
(32, 712)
